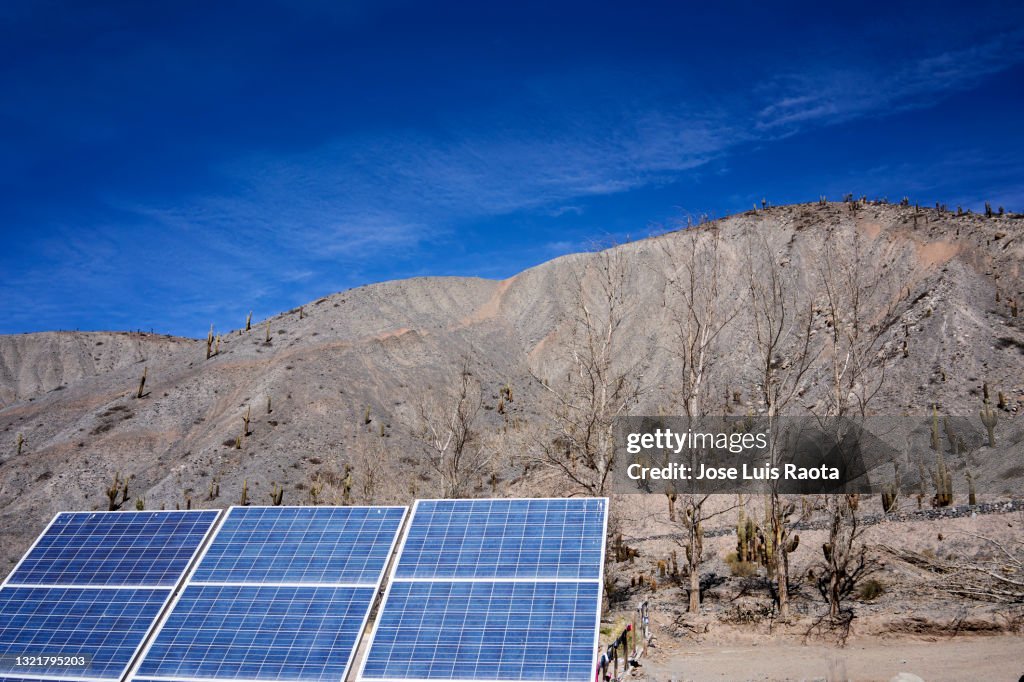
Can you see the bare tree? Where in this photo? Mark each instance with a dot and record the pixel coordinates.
(845, 562)
(370, 480)
(602, 382)
(701, 306)
(783, 328)
(446, 421)
(783, 355)
(860, 302)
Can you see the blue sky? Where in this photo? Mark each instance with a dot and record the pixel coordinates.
(166, 166)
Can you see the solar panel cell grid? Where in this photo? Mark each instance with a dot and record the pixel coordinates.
(486, 630)
(279, 633)
(124, 548)
(301, 544)
(106, 625)
(560, 538)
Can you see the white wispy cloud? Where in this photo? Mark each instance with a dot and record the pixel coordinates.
(834, 94)
(559, 211)
(397, 190)
(373, 194)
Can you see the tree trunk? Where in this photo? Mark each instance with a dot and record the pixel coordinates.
(694, 590)
(833, 595)
(783, 577)
(781, 558)
(671, 507)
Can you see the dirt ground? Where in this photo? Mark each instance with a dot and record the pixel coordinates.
(914, 626)
(999, 657)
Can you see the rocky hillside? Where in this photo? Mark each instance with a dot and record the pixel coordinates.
(342, 382)
(34, 364)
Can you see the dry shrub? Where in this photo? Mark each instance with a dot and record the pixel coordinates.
(871, 589)
(743, 614)
(740, 569)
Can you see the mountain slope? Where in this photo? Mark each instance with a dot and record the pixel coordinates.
(347, 374)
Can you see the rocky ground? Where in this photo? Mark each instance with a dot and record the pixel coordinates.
(911, 624)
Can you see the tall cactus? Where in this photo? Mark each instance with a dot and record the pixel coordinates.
(747, 545)
(117, 486)
(316, 488)
(943, 482)
(890, 493)
(950, 434)
(775, 540)
(989, 418)
(346, 485)
(741, 536)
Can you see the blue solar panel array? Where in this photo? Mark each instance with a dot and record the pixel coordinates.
(482, 590)
(282, 593)
(91, 588)
(493, 590)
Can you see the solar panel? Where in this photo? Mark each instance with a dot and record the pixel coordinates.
(301, 544)
(69, 622)
(80, 603)
(493, 590)
(281, 593)
(551, 538)
(150, 548)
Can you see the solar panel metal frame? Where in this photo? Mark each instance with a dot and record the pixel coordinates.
(394, 569)
(133, 672)
(172, 590)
